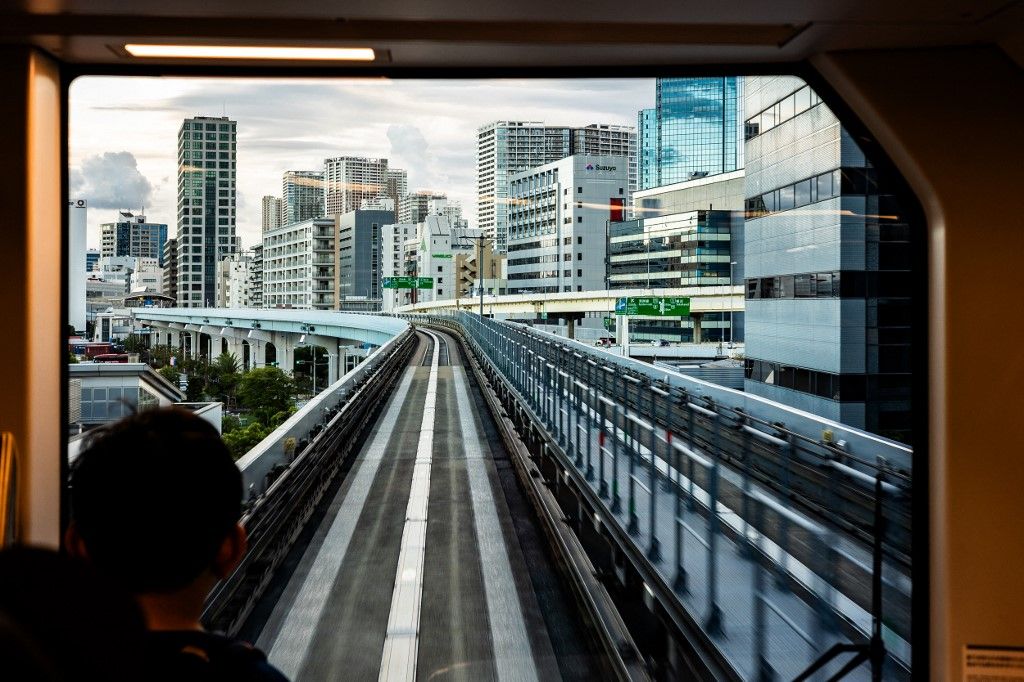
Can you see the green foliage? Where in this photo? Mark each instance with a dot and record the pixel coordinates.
(169, 373)
(196, 391)
(229, 423)
(72, 359)
(226, 363)
(223, 378)
(241, 440)
(266, 389)
(134, 343)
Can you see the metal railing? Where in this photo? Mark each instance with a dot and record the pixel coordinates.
(668, 463)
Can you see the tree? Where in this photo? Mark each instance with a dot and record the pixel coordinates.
(133, 343)
(169, 373)
(72, 358)
(266, 389)
(223, 378)
(229, 423)
(241, 441)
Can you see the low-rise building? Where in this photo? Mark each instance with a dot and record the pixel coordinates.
(233, 277)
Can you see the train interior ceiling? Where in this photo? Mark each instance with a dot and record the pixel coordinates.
(937, 85)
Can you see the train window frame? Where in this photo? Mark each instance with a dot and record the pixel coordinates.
(821, 91)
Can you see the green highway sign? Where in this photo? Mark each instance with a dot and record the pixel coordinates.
(408, 282)
(653, 306)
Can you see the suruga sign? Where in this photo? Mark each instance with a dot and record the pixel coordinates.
(599, 167)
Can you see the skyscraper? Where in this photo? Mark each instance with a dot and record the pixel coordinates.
(699, 128)
(271, 212)
(302, 196)
(507, 147)
(827, 270)
(647, 148)
(206, 206)
(131, 235)
(348, 180)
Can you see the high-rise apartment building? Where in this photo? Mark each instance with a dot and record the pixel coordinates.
(170, 283)
(131, 235)
(396, 183)
(348, 180)
(299, 265)
(507, 147)
(302, 196)
(827, 269)
(558, 222)
(256, 277)
(271, 212)
(206, 206)
(414, 207)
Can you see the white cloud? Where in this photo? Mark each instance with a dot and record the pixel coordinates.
(110, 180)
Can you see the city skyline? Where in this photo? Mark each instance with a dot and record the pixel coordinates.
(122, 148)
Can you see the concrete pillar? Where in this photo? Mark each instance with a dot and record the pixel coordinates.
(285, 344)
(257, 350)
(696, 317)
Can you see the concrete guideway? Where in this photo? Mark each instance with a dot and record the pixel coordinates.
(702, 300)
(415, 571)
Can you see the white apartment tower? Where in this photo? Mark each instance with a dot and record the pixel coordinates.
(206, 206)
(349, 180)
(271, 213)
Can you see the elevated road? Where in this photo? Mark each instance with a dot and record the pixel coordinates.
(721, 299)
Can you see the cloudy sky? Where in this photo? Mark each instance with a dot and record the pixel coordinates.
(123, 131)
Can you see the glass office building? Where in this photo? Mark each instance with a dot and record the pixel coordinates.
(699, 128)
(647, 146)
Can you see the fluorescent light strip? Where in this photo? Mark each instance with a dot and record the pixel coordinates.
(362, 54)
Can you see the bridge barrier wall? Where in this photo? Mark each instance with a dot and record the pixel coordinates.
(284, 443)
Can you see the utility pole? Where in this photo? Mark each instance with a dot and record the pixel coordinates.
(480, 271)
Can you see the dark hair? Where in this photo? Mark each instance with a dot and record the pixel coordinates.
(153, 496)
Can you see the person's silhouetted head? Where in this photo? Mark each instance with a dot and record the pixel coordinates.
(155, 502)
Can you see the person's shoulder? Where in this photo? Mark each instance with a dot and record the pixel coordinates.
(198, 656)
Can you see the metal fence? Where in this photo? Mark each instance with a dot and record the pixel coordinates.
(788, 550)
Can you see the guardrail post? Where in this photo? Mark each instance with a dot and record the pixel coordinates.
(602, 488)
(631, 443)
(578, 398)
(591, 404)
(713, 623)
(616, 501)
(679, 583)
(654, 551)
(765, 672)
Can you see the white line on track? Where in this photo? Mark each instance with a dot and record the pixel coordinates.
(291, 647)
(401, 643)
(512, 657)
